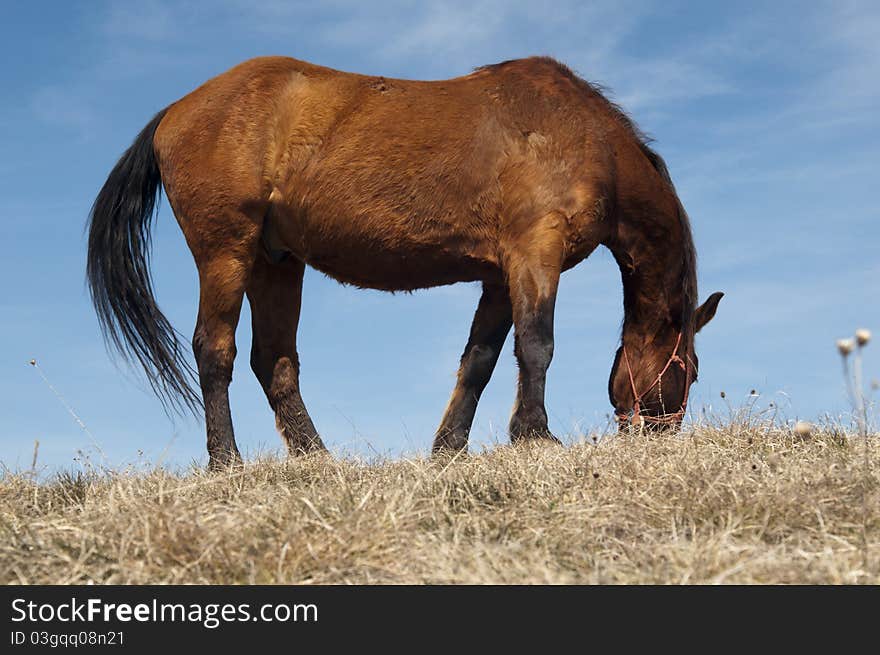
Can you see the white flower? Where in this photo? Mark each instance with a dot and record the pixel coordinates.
(845, 346)
(863, 336)
(803, 429)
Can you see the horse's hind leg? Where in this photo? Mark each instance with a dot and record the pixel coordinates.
(224, 265)
(275, 293)
(492, 322)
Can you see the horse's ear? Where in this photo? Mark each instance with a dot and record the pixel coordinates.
(706, 311)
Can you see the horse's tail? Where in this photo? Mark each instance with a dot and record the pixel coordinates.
(119, 275)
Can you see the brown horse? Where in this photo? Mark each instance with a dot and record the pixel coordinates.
(509, 175)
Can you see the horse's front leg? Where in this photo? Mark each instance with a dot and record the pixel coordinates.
(492, 322)
(533, 263)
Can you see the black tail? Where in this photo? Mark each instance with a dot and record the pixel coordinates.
(119, 275)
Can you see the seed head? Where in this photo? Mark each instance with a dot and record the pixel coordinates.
(863, 336)
(845, 346)
(803, 429)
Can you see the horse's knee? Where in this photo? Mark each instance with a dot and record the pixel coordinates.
(214, 356)
(278, 375)
(285, 377)
(534, 350)
(477, 365)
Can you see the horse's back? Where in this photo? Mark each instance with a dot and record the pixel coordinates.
(411, 180)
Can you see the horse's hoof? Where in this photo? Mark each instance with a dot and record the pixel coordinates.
(450, 443)
(534, 436)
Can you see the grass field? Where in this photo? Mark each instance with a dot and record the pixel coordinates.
(711, 505)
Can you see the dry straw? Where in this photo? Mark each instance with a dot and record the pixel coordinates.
(70, 410)
(727, 504)
(857, 396)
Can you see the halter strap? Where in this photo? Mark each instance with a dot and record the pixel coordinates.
(637, 397)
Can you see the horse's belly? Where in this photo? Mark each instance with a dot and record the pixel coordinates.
(374, 254)
(398, 271)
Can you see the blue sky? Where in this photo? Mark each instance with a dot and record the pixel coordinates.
(767, 114)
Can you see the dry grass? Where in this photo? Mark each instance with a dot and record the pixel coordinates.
(712, 505)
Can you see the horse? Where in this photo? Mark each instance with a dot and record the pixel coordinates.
(509, 176)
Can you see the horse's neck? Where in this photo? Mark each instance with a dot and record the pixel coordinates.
(654, 293)
(645, 324)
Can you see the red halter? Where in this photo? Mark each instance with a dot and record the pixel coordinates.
(665, 418)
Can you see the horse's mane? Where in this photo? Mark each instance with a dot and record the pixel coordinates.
(594, 90)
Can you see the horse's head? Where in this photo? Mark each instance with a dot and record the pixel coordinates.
(652, 373)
